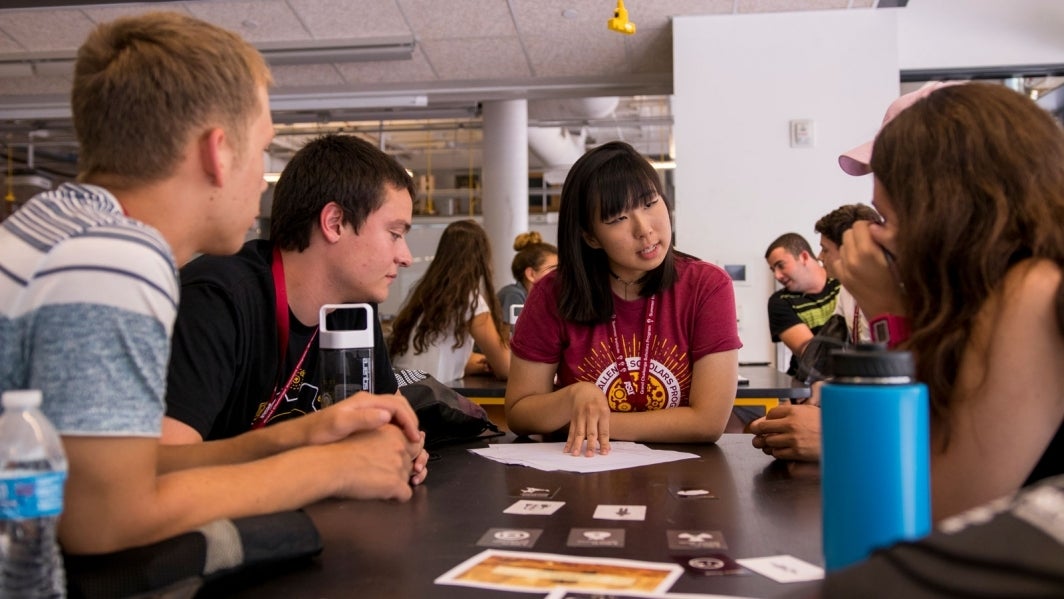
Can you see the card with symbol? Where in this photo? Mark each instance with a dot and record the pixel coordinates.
(783, 568)
(533, 491)
(596, 537)
(621, 512)
(684, 540)
(691, 492)
(510, 537)
(709, 564)
(532, 507)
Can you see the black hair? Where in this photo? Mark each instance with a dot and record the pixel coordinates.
(603, 183)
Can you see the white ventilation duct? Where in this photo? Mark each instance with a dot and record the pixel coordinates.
(556, 147)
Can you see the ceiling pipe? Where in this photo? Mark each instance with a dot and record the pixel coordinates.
(557, 147)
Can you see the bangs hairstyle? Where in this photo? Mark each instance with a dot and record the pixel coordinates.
(975, 173)
(144, 85)
(332, 168)
(603, 183)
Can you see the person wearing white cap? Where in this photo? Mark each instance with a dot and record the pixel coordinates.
(969, 180)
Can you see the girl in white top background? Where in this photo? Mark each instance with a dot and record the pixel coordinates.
(452, 308)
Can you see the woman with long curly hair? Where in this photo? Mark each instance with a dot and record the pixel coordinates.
(451, 308)
(969, 180)
(641, 338)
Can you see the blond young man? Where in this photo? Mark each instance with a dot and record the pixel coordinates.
(172, 117)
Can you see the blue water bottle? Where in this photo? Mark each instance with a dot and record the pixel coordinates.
(875, 454)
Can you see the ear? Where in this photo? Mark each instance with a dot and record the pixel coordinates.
(331, 222)
(591, 240)
(529, 273)
(213, 153)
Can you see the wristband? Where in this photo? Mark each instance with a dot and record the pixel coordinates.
(890, 329)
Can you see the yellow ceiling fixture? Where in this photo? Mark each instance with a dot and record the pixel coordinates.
(620, 22)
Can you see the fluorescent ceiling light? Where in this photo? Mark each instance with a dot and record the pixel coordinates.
(343, 100)
(393, 47)
(400, 47)
(663, 165)
(271, 177)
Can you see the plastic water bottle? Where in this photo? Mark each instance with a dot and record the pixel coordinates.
(875, 454)
(33, 470)
(345, 339)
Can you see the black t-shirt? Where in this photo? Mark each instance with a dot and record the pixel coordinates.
(787, 309)
(224, 363)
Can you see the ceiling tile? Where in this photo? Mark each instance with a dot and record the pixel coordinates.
(342, 19)
(476, 58)
(307, 75)
(592, 55)
(545, 17)
(256, 21)
(749, 6)
(653, 14)
(22, 86)
(650, 50)
(43, 30)
(433, 19)
(388, 71)
(103, 14)
(7, 43)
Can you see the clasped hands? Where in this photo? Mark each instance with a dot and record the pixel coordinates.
(369, 415)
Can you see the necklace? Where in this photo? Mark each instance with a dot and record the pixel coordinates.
(626, 284)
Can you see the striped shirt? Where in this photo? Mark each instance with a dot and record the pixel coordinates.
(88, 298)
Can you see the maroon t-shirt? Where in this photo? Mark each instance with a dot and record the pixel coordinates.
(694, 318)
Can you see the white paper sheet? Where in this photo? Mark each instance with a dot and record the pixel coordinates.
(549, 456)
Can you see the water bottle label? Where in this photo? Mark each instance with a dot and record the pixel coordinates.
(35, 496)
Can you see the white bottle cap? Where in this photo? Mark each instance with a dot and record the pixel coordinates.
(345, 339)
(21, 399)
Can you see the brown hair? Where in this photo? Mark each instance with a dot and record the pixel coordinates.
(794, 243)
(976, 175)
(332, 168)
(532, 251)
(440, 302)
(143, 85)
(833, 224)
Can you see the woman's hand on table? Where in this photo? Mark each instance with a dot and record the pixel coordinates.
(590, 421)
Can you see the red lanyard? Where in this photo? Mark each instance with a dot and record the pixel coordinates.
(856, 329)
(283, 327)
(637, 395)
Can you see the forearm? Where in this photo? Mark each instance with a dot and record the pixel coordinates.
(250, 446)
(542, 413)
(682, 424)
(98, 520)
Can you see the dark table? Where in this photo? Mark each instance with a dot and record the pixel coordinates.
(384, 549)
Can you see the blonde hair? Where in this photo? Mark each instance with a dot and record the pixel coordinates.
(143, 85)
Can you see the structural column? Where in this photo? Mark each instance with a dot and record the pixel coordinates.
(504, 177)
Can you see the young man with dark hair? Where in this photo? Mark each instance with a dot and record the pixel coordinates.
(245, 341)
(807, 300)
